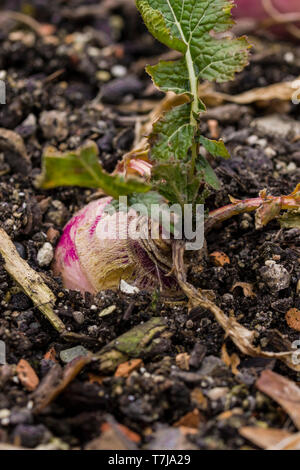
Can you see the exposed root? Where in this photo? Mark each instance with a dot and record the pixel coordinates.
(241, 336)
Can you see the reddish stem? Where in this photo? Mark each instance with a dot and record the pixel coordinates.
(249, 205)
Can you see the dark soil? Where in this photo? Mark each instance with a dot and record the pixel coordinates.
(76, 71)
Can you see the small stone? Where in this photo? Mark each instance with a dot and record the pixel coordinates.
(252, 140)
(31, 436)
(52, 235)
(275, 276)
(270, 152)
(45, 254)
(213, 367)
(119, 71)
(291, 167)
(289, 57)
(107, 311)
(54, 124)
(4, 413)
(189, 324)
(67, 355)
(217, 393)
(244, 225)
(127, 288)
(78, 317)
(57, 213)
(262, 143)
(103, 76)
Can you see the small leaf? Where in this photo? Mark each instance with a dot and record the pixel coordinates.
(82, 168)
(172, 135)
(209, 175)
(216, 148)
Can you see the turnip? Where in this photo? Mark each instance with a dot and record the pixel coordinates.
(98, 247)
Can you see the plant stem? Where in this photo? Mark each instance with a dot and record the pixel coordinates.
(195, 106)
(249, 205)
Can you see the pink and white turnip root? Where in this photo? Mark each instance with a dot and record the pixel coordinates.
(285, 13)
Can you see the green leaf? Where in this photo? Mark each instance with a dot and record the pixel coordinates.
(209, 175)
(173, 135)
(216, 148)
(158, 27)
(170, 76)
(170, 180)
(82, 168)
(196, 23)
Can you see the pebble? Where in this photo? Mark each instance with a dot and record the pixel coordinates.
(118, 71)
(67, 355)
(127, 288)
(217, 393)
(45, 254)
(54, 124)
(78, 317)
(252, 139)
(114, 91)
(275, 276)
(4, 413)
(20, 249)
(291, 167)
(270, 152)
(262, 143)
(245, 224)
(57, 213)
(107, 311)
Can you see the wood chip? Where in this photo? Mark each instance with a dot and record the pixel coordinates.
(219, 258)
(50, 355)
(182, 361)
(56, 381)
(232, 361)
(27, 375)
(292, 317)
(247, 288)
(285, 392)
(262, 437)
(133, 436)
(190, 420)
(125, 369)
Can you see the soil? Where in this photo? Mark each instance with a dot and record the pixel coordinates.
(90, 70)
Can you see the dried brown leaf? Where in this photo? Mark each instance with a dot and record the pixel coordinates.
(262, 437)
(285, 392)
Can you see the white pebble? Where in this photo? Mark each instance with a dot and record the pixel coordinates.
(4, 413)
(252, 139)
(289, 57)
(262, 143)
(45, 255)
(270, 152)
(118, 71)
(127, 288)
(291, 167)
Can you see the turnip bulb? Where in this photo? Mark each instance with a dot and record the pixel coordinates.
(98, 248)
(282, 17)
